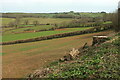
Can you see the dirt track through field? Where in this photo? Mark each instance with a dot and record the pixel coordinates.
(21, 59)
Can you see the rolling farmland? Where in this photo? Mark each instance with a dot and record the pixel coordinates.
(21, 59)
(59, 39)
(12, 37)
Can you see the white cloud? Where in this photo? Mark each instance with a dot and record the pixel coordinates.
(119, 4)
(59, 5)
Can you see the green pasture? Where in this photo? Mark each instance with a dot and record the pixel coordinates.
(21, 36)
(46, 20)
(40, 27)
(6, 21)
(6, 29)
(92, 14)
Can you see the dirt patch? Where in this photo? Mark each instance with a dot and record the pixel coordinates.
(23, 32)
(64, 29)
(28, 31)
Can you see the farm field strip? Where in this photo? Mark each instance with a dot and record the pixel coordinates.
(41, 27)
(21, 36)
(47, 20)
(6, 21)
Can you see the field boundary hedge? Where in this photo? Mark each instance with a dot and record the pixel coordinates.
(92, 30)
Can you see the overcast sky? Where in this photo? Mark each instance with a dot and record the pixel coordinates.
(41, 6)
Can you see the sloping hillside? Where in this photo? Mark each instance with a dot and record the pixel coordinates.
(100, 61)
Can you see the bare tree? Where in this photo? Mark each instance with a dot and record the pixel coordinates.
(17, 21)
(26, 22)
(11, 24)
(35, 23)
(56, 25)
(107, 17)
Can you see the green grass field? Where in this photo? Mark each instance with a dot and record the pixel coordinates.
(17, 30)
(13, 37)
(4, 29)
(92, 14)
(46, 20)
(6, 21)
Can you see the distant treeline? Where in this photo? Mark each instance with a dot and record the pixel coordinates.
(70, 14)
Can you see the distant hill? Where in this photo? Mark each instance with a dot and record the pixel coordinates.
(52, 15)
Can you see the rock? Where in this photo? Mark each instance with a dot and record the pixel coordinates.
(41, 73)
(71, 55)
(99, 39)
(62, 59)
(74, 53)
(67, 57)
(85, 46)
